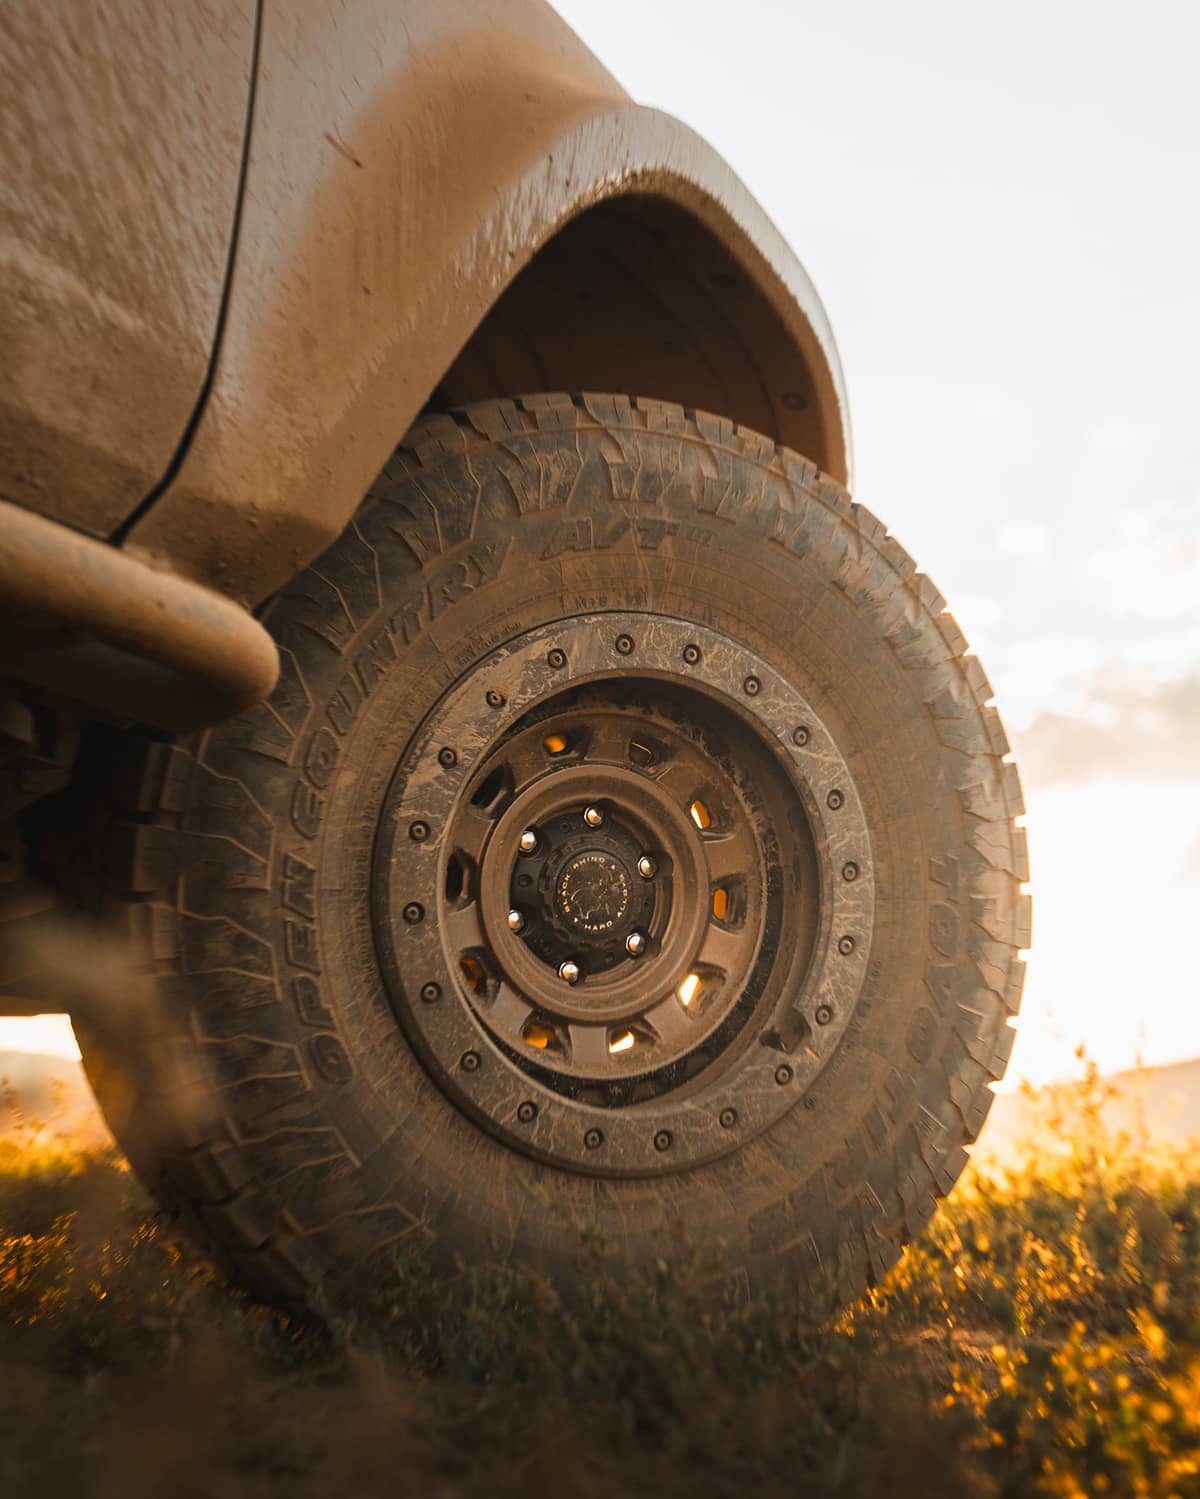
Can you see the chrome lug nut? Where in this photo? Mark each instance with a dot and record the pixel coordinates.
(646, 867)
(569, 972)
(527, 841)
(515, 921)
(593, 816)
(635, 944)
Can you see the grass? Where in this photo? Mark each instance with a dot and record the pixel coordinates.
(1042, 1339)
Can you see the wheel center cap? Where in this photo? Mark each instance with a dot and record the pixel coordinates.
(593, 891)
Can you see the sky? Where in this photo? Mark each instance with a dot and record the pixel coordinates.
(998, 204)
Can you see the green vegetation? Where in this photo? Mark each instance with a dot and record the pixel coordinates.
(1042, 1339)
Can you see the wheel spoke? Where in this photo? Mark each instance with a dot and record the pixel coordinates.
(727, 855)
(670, 1022)
(721, 948)
(525, 758)
(463, 926)
(509, 1012)
(471, 829)
(679, 779)
(589, 1045)
(607, 739)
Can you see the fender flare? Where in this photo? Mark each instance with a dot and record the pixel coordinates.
(406, 164)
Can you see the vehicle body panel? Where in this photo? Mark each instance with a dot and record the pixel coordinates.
(227, 297)
(407, 161)
(121, 132)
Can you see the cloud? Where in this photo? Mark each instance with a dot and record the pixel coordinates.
(1129, 729)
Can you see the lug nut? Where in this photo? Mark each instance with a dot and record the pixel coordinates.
(824, 1014)
(727, 1118)
(662, 1140)
(527, 841)
(593, 816)
(494, 699)
(569, 972)
(834, 800)
(635, 944)
(556, 659)
(845, 946)
(783, 1074)
(527, 1111)
(691, 654)
(646, 867)
(593, 1139)
(447, 757)
(515, 921)
(750, 686)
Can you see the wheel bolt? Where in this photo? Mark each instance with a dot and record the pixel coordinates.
(635, 944)
(431, 993)
(527, 1111)
(413, 913)
(447, 757)
(662, 1140)
(624, 644)
(800, 736)
(593, 1139)
(469, 1061)
(783, 1074)
(556, 659)
(646, 867)
(418, 831)
(824, 1014)
(845, 946)
(593, 816)
(569, 972)
(691, 654)
(495, 699)
(527, 841)
(515, 921)
(727, 1118)
(834, 800)
(750, 686)
(850, 871)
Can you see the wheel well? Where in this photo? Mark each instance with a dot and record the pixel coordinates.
(638, 295)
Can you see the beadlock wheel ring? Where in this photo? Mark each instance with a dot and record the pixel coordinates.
(790, 1008)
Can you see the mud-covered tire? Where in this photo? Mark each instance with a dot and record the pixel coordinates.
(277, 1104)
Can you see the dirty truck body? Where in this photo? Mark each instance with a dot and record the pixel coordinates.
(522, 794)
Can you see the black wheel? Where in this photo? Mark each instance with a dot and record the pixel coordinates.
(628, 846)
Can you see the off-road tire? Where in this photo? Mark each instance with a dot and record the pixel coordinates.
(276, 1104)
